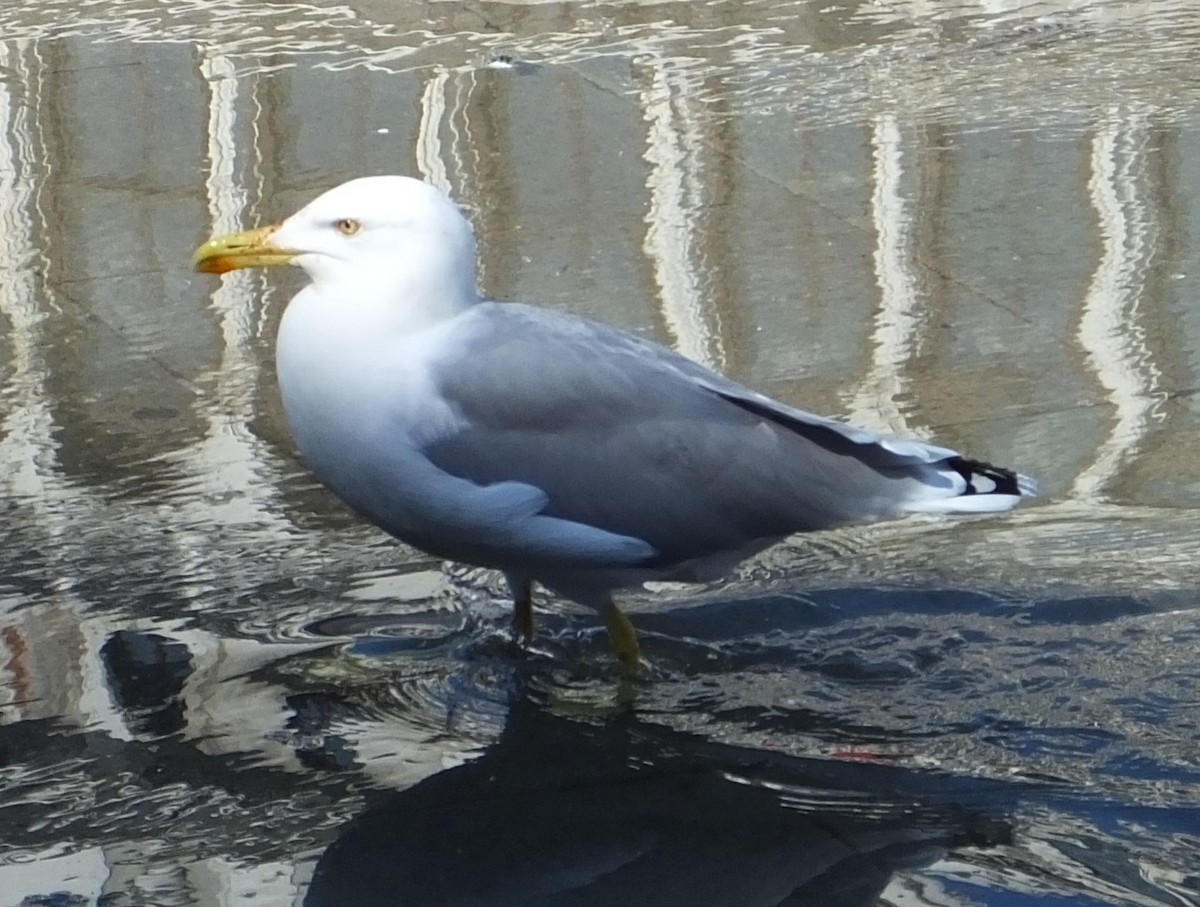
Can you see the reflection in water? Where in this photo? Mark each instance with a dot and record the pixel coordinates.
(225, 466)
(27, 421)
(233, 763)
(563, 812)
(1110, 331)
(898, 323)
(145, 675)
(431, 159)
(675, 180)
(211, 679)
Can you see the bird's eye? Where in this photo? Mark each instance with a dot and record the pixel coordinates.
(347, 226)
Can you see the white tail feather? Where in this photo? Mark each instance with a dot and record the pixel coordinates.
(966, 503)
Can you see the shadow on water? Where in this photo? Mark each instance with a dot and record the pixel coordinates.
(616, 811)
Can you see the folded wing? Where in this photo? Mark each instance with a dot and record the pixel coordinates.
(627, 437)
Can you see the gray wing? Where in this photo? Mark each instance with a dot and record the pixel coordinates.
(626, 436)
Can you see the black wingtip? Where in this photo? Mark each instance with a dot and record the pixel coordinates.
(984, 478)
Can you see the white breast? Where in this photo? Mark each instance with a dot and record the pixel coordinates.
(358, 391)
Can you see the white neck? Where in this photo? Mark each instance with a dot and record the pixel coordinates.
(432, 286)
(350, 369)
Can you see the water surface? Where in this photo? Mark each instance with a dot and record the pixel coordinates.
(972, 222)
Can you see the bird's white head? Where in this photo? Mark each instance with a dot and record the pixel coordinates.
(388, 238)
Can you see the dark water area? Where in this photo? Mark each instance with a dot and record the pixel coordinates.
(974, 223)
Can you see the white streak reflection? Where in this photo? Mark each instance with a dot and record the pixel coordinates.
(1110, 330)
(28, 450)
(443, 163)
(430, 161)
(226, 468)
(897, 329)
(673, 150)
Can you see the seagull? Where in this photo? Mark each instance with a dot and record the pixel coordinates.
(544, 445)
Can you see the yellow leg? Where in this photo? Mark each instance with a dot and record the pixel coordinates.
(523, 611)
(622, 637)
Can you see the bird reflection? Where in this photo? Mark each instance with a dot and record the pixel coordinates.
(573, 813)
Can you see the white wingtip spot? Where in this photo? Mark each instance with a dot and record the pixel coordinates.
(983, 484)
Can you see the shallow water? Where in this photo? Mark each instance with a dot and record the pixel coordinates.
(973, 222)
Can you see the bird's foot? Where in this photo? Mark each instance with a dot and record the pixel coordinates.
(522, 622)
(624, 641)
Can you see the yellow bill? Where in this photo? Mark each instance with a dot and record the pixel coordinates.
(249, 249)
